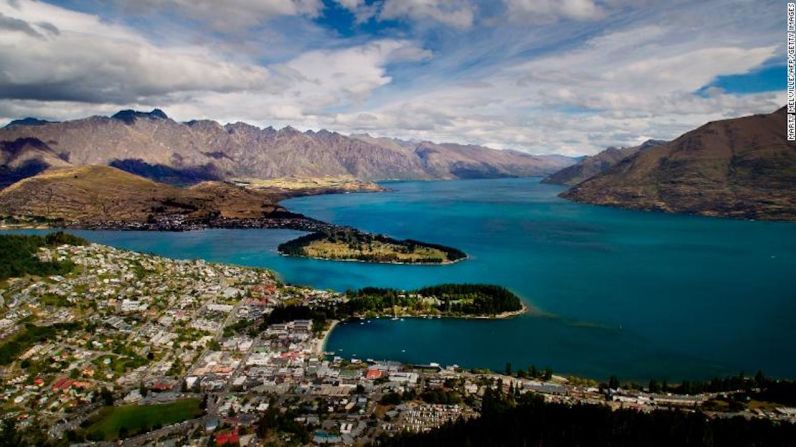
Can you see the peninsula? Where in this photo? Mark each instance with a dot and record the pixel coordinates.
(106, 198)
(348, 244)
(445, 300)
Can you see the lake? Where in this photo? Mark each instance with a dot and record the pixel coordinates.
(621, 292)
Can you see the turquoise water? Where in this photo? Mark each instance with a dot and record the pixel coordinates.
(630, 293)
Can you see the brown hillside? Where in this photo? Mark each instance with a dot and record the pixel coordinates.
(741, 167)
(89, 195)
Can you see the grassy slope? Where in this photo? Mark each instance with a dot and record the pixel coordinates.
(91, 194)
(376, 250)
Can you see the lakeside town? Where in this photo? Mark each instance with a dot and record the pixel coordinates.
(154, 351)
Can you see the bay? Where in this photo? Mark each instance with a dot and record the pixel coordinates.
(614, 291)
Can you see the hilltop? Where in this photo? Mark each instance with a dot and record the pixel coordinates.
(593, 165)
(102, 196)
(741, 167)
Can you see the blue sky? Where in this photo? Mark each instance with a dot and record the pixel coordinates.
(762, 79)
(542, 76)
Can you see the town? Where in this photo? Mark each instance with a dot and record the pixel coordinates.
(154, 351)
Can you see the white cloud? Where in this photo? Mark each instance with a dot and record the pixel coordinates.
(553, 10)
(92, 61)
(351, 4)
(313, 83)
(338, 77)
(230, 15)
(456, 13)
(531, 84)
(632, 82)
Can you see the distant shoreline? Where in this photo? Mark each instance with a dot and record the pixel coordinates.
(377, 262)
(501, 316)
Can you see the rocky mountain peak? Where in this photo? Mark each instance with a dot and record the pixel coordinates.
(129, 116)
(29, 121)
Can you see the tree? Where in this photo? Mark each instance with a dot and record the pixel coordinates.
(508, 368)
(760, 379)
(391, 398)
(613, 382)
(106, 396)
(9, 436)
(654, 386)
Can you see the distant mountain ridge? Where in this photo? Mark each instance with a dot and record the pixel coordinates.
(742, 167)
(29, 121)
(153, 145)
(597, 164)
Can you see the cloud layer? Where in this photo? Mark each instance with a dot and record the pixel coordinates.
(569, 76)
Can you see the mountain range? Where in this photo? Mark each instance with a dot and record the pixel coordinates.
(153, 145)
(742, 167)
(597, 164)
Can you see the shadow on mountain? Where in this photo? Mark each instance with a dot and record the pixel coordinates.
(166, 174)
(29, 168)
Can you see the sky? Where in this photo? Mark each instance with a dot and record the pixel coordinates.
(541, 76)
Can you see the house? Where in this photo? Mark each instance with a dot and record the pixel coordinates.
(373, 374)
(227, 438)
(403, 377)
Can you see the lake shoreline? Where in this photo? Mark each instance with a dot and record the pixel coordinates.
(320, 347)
(501, 316)
(455, 261)
(615, 287)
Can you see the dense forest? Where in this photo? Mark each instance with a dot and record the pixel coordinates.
(466, 299)
(526, 420)
(18, 254)
(470, 299)
(758, 387)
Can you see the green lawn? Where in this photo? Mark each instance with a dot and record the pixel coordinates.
(119, 422)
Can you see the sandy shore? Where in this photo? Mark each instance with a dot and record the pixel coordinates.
(320, 346)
